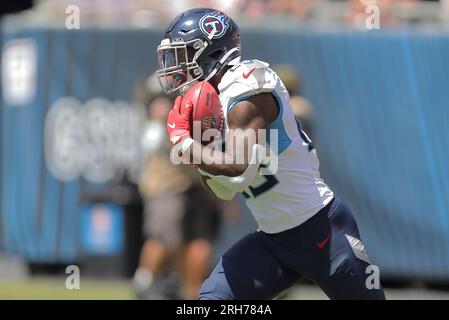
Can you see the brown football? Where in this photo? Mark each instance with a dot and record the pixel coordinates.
(207, 111)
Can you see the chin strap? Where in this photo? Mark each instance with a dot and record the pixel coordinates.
(222, 60)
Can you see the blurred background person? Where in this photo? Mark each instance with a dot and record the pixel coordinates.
(181, 218)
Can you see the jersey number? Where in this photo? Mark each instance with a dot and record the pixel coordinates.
(270, 182)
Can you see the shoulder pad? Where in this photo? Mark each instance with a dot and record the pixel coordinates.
(245, 79)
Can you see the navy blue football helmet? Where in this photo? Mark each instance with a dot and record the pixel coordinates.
(197, 44)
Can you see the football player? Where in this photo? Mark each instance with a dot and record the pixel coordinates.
(303, 228)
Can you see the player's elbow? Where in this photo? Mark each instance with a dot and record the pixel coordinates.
(218, 189)
(226, 197)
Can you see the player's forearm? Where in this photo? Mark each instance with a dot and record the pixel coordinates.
(215, 162)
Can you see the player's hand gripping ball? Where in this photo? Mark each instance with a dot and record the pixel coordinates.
(206, 112)
(178, 121)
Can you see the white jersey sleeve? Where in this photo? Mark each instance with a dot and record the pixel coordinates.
(284, 198)
(248, 78)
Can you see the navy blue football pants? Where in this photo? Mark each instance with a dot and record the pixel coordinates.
(324, 249)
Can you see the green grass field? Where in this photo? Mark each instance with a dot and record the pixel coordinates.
(54, 288)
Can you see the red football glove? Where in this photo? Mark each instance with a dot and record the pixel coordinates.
(178, 123)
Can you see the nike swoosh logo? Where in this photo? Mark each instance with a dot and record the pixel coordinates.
(246, 75)
(172, 125)
(321, 245)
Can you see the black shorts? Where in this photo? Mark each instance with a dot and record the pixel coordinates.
(325, 249)
(202, 216)
(176, 219)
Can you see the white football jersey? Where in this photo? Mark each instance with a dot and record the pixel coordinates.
(295, 192)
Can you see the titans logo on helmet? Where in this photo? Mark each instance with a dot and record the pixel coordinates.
(216, 22)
